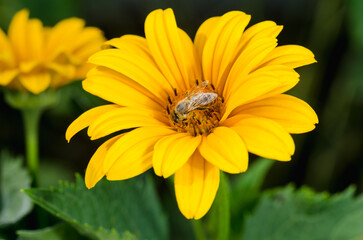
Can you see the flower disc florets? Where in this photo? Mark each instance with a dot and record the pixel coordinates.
(197, 111)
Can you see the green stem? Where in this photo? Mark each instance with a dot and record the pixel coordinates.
(198, 230)
(31, 118)
(223, 209)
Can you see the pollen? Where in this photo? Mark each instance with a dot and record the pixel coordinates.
(197, 111)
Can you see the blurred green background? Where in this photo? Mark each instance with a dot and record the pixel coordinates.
(329, 158)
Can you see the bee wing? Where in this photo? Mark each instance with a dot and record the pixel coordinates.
(200, 100)
(198, 89)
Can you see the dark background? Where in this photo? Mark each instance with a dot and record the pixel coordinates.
(329, 158)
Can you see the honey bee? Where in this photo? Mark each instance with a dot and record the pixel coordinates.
(196, 98)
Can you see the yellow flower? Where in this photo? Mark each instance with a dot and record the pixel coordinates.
(197, 108)
(34, 57)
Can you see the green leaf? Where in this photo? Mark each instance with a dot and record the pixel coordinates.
(219, 218)
(61, 231)
(246, 191)
(14, 203)
(246, 187)
(126, 209)
(302, 214)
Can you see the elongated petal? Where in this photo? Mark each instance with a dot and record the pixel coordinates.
(4, 41)
(220, 48)
(36, 82)
(115, 88)
(7, 76)
(88, 37)
(137, 68)
(225, 149)
(265, 29)
(6, 54)
(295, 115)
(172, 152)
(195, 64)
(18, 33)
(196, 185)
(134, 149)
(203, 33)
(263, 137)
(168, 48)
(263, 83)
(289, 55)
(65, 70)
(95, 172)
(123, 118)
(87, 118)
(35, 39)
(62, 36)
(248, 60)
(132, 44)
(286, 76)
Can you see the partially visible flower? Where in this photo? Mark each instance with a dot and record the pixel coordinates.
(34, 57)
(198, 108)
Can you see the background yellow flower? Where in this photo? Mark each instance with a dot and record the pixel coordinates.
(34, 57)
(198, 108)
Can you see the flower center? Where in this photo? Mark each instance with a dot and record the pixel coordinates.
(197, 111)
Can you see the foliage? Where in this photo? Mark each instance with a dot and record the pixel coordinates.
(111, 210)
(61, 231)
(14, 203)
(286, 213)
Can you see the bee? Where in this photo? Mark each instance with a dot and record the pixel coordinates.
(196, 98)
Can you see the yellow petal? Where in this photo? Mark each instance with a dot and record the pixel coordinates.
(36, 82)
(168, 48)
(6, 54)
(132, 44)
(254, 86)
(263, 137)
(94, 172)
(172, 152)
(62, 36)
(137, 68)
(195, 66)
(265, 29)
(135, 148)
(225, 149)
(205, 29)
(289, 55)
(295, 115)
(287, 77)
(65, 70)
(4, 42)
(220, 48)
(121, 90)
(88, 37)
(35, 39)
(124, 118)
(87, 118)
(7, 76)
(248, 60)
(17, 33)
(196, 185)
(28, 66)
